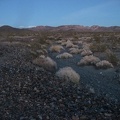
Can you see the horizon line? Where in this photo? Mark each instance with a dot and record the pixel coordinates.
(32, 26)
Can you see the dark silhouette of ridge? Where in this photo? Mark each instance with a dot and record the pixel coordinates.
(7, 30)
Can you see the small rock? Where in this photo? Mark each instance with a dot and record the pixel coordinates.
(47, 118)
(60, 100)
(40, 117)
(75, 118)
(83, 117)
(101, 73)
(35, 89)
(92, 90)
(108, 114)
(62, 105)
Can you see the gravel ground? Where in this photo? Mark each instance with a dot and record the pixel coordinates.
(30, 93)
(102, 81)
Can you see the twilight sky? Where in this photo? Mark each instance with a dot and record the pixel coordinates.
(26, 13)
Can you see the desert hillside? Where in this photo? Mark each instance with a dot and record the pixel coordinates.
(60, 73)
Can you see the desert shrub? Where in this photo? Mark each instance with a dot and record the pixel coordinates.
(75, 50)
(108, 51)
(104, 64)
(115, 41)
(35, 45)
(80, 42)
(86, 52)
(75, 42)
(85, 45)
(45, 62)
(75, 46)
(97, 38)
(58, 38)
(42, 41)
(112, 58)
(98, 47)
(59, 42)
(56, 48)
(68, 74)
(34, 54)
(89, 60)
(63, 43)
(76, 37)
(42, 51)
(43, 46)
(69, 44)
(70, 49)
(64, 55)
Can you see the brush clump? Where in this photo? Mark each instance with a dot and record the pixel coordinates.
(45, 62)
(104, 64)
(68, 74)
(64, 55)
(89, 60)
(56, 48)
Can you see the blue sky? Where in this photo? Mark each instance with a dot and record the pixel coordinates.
(26, 13)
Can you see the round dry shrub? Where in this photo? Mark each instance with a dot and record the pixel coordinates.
(112, 57)
(68, 74)
(56, 48)
(86, 45)
(89, 60)
(104, 64)
(75, 46)
(69, 44)
(86, 52)
(72, 49)
(75, 50)
(98, 47)
(64, 55)
(63, 43)
(59, 42)
(45, 62)
(80, 42)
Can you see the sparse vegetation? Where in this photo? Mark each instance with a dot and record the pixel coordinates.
(69, 44)
(86, 52)
(68, 74)
(75, 50)
(64, 55)
(56, 48)
(111, 57)
(97, 38)
(45, 62)
(89, 60)
(36, 93)
(104, 64)
(95, 47)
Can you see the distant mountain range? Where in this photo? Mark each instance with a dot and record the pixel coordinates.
(78, 28)
(11, 30)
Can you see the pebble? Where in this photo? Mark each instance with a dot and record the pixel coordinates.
(92, 90)
(108, 114)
